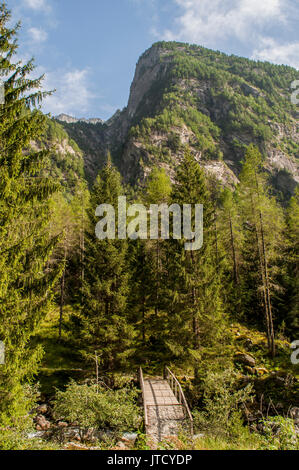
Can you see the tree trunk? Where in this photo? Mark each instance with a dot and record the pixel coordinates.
(266, 275)
(236, 273)
(143, 321)
(262, 275)
(196, 337)
(97, 371)
(82, 248)
(62, 293)
(61, 305)
(216, 241)
(268, 294)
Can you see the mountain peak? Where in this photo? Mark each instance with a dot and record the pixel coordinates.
(70, 119)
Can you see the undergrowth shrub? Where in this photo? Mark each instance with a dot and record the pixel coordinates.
(221, 414)
(92, 406)
(279, 434)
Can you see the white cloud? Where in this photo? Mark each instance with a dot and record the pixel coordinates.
(40, 5)
(37, 35)
(271, 51)
(239, 25)
(73, 91)
(207, 21)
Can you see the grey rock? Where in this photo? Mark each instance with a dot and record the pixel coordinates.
(245, 359)
(130, 436)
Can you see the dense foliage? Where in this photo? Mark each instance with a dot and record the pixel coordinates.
(27, 279)
(91, 406)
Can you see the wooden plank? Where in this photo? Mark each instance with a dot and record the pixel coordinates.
(164, 412)
(165, 406)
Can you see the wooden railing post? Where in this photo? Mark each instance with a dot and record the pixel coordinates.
(180, 396)
(141, 382)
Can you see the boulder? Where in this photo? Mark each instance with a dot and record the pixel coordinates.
(42, 424)
(75, 446)
(244, 358)
(129, 437)
(125, 441)
(294, 413)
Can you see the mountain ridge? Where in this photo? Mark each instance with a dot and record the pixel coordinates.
(216, 104)
(70, 119)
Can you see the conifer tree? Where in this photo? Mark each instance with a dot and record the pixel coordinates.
(140, 296)
(263, 224)
(231, 238)
(232, 235)
(68, 218)
(157, 192)
(291, 294)
(147, 297)
(197, 285)
(105, 288)
(27, 279)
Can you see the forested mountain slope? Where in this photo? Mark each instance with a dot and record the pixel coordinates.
(215, 104)
(65, 161)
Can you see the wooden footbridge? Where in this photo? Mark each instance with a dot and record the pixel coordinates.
(166, 411)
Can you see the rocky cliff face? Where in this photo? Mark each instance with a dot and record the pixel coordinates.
(215, 104)
(151, 67)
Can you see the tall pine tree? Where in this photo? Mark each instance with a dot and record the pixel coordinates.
(105, 288)
(263, 225)
(291, 281)
(199, 319)
(231, 238)
(27, 279)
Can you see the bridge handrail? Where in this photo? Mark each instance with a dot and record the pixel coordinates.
(175, 385)
(141, 383)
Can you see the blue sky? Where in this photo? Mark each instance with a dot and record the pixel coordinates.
(88, 49)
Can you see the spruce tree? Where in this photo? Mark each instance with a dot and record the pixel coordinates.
(157, 192)
(141, 291)
(291, 279)
(197, 283)
(27, 278)
(105, 288)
